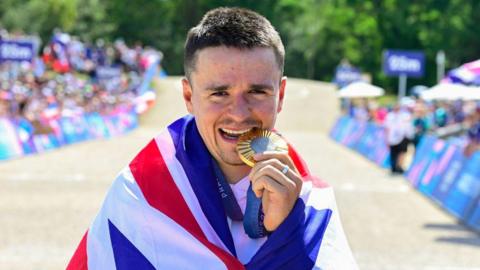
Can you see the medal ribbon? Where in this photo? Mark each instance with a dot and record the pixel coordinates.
(253, 220)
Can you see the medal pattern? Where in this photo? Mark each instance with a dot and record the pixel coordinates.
(259, 141)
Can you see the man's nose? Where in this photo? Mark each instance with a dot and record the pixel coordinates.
(239, 108)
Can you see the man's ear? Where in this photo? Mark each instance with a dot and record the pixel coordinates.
(187, 94)
(281, 93)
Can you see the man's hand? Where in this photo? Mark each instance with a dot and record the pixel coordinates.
(278, 191)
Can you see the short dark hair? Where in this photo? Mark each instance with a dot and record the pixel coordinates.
(232, 27)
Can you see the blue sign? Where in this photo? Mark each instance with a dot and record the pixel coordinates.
(13, 50)
(409, 63)
(345, 75)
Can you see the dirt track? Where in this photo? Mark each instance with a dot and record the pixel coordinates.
(47, 201)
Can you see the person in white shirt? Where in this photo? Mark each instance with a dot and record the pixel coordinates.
(399, 131)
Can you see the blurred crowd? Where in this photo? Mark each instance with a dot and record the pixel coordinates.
(71, 77)
(411, 119)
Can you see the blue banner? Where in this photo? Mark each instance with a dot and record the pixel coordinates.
(336, 131)
(409, 63)
(420, 160)
(355, 137)
(45, 142)
(437, 167)
(75, 129)
(348, 132)
(431, 163)
(9, 144)
(97, 127)
(25, 135)
(367, 138)
(466, 190)
(15, 50)
(450, 176)
(474, 219)
(368, 141)
(381, 150)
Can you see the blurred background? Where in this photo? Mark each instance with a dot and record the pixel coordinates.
(317, 34)
(85, 84)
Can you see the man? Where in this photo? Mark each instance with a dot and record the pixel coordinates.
(399, 131)
(183, 202)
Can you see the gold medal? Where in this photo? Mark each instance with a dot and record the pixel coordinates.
(259, 141)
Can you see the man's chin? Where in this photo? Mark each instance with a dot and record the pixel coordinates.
(233, 160)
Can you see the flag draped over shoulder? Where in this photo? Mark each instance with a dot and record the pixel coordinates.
(164, 211)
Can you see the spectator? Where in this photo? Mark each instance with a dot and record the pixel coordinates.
(399, 129)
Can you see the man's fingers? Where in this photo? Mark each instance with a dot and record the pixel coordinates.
(273, 168)
(271, 171)
(278, 162)
(266, 183)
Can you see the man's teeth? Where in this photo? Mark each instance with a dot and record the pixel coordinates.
(235, 132)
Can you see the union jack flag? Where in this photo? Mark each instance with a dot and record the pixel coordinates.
(164, 212)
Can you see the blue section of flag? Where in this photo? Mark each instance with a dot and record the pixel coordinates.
(126, 255)
(303, 230)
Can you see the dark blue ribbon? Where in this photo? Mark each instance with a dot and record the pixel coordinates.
(230, 204)
(253, 220)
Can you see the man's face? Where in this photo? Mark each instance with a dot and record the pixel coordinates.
(230, 92)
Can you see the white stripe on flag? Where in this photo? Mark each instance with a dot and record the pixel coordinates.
(167, 150)
(161, 240)
(334, 251)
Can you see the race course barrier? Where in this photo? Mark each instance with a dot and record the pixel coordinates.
(439, 169)
(17, 138)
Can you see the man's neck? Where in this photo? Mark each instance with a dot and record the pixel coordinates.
(233, 174)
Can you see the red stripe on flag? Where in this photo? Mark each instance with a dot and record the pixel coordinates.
(160, 191)
(303, 169)
(79, 261)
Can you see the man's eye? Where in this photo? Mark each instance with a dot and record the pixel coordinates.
(219, 94)
(258, 91)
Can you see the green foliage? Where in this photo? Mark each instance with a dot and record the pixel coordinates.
(39, 16)
(317, 34)
(92, 21)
